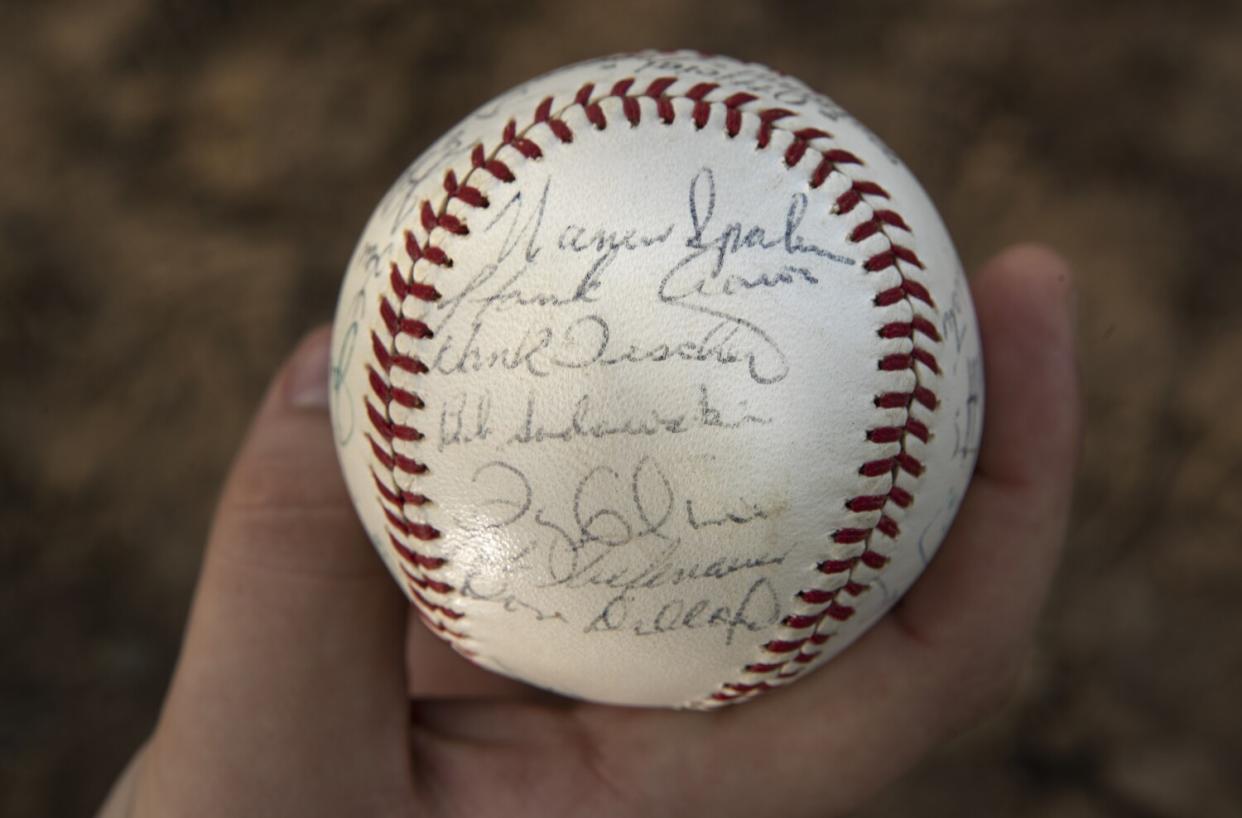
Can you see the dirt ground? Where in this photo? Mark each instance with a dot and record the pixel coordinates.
(181, 184)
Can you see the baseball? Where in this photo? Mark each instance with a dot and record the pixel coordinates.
(656, 381)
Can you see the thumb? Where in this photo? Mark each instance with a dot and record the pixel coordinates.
(294, 645)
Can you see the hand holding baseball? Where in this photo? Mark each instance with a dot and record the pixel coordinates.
(291, 696)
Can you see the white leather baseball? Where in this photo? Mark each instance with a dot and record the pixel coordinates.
(656, 381)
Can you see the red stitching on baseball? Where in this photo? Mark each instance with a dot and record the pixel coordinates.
(391, 394)
(763, 667)
(895, 256)
(397, 497)
(918, 429)
(389, 360)
(387, 429)
(398, 324)
(465, 193)
(523, 145)
(493, 166)
(867, 502)
(875, 468)
(873, 560)
(829, 567)
(885, 434)
(658, 86)
(421, 599)
(543, 115)
(416, 557)
(848, 536)
(423, 584)
(419, 531)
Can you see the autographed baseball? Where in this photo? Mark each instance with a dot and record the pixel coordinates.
(656, 381)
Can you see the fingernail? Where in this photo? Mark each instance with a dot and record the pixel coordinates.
(306, 384)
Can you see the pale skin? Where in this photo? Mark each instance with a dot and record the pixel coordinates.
(306, 688)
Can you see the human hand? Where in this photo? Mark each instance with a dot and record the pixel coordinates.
(306, 688)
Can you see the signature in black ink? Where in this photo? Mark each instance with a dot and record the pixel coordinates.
(585, 422)
(465, 419)
(625, 534)
(589, 341)
(702, 273)
(687, 278)
(602, 246)
(966, 424)
(951, 327)
(758, 608)
(577, 551)
(707, 271)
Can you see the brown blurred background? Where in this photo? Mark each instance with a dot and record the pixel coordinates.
(181, 184)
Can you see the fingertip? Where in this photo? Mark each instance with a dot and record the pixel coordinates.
(1035, 259)
(304, 381)
(1024, 297)
(1030, 283)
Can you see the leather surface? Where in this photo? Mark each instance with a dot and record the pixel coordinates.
(652, 371)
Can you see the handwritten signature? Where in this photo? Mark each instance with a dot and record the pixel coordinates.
(467, 418)
(627, 534)
(758, 608)
(686, 277)
(726, 261)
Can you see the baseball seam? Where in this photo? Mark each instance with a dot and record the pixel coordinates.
(856, 555)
